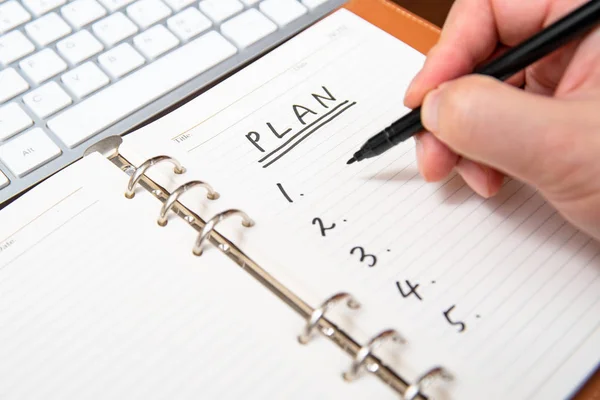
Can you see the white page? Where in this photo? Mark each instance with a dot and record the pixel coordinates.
(520, 285)
(97, 301)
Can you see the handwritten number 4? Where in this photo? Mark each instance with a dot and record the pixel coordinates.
(412, 289)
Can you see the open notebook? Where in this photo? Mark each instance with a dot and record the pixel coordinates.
(368, 282)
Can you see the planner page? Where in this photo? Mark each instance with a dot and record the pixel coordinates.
(502, 292)
(97, 301)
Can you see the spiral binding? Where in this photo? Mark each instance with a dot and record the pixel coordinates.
(173, 197)
(316, 316)
(361, 356)
(141, 170)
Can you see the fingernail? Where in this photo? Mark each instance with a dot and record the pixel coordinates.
(420, 151)
(475, 176)
(430, 110)
(412, 83)
(418, 145)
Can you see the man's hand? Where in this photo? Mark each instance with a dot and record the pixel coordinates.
(547, 135)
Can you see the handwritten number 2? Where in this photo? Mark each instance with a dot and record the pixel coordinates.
(321, 226)
(364, 256)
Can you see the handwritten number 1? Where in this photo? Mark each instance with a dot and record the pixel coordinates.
(321, 226)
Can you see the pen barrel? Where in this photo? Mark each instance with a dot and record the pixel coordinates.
(405, 127)
(538, 46)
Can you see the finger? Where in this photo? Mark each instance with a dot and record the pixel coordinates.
(517, 80)
(508, 129)
(484, 180)
(471, 35)
(435, 159)
(582, 77)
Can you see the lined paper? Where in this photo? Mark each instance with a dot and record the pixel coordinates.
(503, 292)
(97, 301)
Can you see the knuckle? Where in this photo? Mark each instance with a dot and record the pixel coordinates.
(458, 103)
(464, 107)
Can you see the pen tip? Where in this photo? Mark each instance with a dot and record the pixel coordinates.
(350, 161)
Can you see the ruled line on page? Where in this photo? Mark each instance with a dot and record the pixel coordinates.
(42, 213)
(50, 233)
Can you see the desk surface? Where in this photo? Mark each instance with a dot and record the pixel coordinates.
(434, 11)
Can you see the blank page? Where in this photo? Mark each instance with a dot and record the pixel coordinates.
(97, 301)
(503, 292)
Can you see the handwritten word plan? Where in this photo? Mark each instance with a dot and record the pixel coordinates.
(503, 292)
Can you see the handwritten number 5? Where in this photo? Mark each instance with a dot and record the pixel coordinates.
(364, 256)
(461, 325)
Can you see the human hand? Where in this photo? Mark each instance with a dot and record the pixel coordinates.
(547, 135)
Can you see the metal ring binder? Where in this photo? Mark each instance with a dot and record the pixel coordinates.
(436, 373)
(141, 170)
(365, 351)
(173, 197)
(318, 313)
(210, 225)
(338, 336)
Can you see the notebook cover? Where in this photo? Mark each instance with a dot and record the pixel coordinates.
(422, 35)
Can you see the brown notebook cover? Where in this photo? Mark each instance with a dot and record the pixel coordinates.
(422, 35)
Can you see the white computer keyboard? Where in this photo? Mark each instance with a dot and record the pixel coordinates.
(76, 71)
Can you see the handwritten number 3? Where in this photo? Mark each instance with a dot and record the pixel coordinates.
(363, 256)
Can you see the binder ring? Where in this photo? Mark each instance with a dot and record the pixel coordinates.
(318, 313)
(426, 380)
(173, 197)
(141, 170)
(365, 351)
(210, 225)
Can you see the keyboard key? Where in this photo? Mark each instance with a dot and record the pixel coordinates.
(220, 10)
(85, 79)
(121, 60)
(155, 41)
(248, 28)
(39, 7)
(12, 14)
(47, 99)
(114, 5)
(188, 23)
(82, 121)
(79, 47)
(177, 5)
(312, 4)
(3, 180)
(13, 46)
(114, 28)
(28, 152)
(282, 11)
(250, 2)
(42, 65)
(148, 12)
(79, 13)
(13, 120)
(11, 84)
(47, 29)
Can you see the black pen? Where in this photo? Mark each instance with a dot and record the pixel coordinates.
(573, 25)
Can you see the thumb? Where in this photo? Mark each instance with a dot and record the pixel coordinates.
(490, 122)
